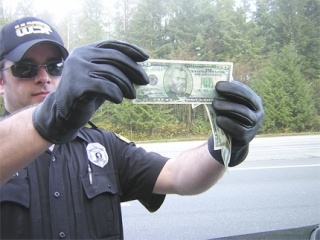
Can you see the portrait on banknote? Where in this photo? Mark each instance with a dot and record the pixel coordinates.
(178, 82)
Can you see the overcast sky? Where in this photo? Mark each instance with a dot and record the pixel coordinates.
(58, 8)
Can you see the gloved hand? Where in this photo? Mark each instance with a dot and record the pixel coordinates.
(240, 115)
(92, 74)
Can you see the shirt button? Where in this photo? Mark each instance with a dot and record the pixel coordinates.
(62, 235)
(56, 194)
(53, 159)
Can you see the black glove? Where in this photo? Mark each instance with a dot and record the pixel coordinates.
(92, 74)
(240, 115)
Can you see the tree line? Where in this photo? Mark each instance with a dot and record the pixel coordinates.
(274, 45)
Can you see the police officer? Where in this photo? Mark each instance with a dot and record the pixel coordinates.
(62, 180)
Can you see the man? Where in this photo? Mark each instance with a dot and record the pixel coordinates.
(178, 84)
(62, 180)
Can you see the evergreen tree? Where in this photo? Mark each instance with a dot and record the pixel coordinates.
(5, 14)
(185, 28)
(91, 22)
(248, 33)
(146, 26)
(285, 94)
(25, 8)
(68, 28)
(294, 21)
(134, 120)
(122, 17)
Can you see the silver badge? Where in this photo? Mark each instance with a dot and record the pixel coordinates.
(97, 154)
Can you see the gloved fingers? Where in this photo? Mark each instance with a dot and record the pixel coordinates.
(81, 107)
(94, 78)
(103, 89)
(134, 52)
(235, 130)
(127, 91)
(108, 56)
(131, 69)
(240, 93)
(121, 61)
(114, 75)
(237, 112)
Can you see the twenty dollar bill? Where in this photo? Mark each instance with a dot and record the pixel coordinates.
(182, 82)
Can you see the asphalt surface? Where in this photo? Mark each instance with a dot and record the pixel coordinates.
(277, 187)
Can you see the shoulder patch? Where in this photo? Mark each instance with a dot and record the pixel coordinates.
(122, 138)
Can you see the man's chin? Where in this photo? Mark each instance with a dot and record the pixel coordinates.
(38, 99)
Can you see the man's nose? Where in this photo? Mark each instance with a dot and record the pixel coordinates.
(43, 76)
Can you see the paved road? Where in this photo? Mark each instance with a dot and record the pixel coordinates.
(277, 187)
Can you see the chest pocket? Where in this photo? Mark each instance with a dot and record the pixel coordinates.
(102, 204)
(14, 208)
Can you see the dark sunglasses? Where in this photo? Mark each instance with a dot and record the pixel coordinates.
(30, 70)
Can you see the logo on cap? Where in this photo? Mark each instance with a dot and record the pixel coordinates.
(34, 27)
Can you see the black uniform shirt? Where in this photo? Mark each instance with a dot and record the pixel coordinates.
(75, 190)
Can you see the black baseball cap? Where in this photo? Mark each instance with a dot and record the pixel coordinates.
(17, 37)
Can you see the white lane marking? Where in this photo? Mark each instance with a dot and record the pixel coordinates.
(273, 167)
